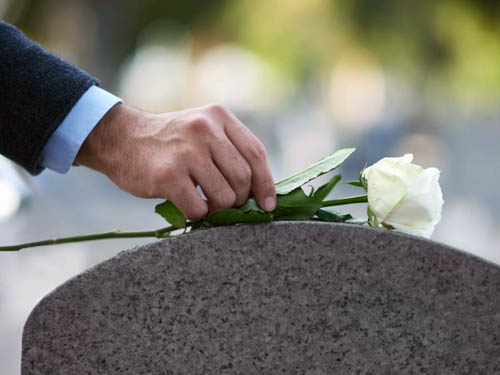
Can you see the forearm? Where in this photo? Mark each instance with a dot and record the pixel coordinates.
(37, 90)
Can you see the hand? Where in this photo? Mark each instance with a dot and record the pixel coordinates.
(168, 155)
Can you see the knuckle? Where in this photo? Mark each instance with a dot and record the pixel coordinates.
(218, 109)
(257, 150)
(200, 124)
(244, 175)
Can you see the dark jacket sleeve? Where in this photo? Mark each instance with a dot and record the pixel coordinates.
(37, 90)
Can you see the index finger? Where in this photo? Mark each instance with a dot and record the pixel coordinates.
(254, 151)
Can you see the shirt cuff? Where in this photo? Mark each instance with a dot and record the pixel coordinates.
(63, 146)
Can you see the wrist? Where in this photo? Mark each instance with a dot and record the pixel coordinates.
(101, 149)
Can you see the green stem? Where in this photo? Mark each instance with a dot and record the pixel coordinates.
(159, 233)
(349, 200)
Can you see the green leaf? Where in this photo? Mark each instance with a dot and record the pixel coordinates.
(196, 225)
(171, 213)
(357, 221)
(250, 212)
(355, 183)
(251, 205)
(323, 166)
(337, 217)
(323, 191)
(295, 205)
(333, 216)
(234, 216)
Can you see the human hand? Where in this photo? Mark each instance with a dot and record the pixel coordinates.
(168, 155)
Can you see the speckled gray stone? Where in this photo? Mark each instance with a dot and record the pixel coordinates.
(281, 298)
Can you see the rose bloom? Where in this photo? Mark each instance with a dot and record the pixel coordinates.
(404, 196)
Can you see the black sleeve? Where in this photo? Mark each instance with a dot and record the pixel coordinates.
(37, 90)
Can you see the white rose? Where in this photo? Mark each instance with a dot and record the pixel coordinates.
(404, 196)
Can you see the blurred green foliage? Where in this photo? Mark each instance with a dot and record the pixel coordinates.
(454, 44)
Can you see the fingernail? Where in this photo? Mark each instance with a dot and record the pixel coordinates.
(269, 204)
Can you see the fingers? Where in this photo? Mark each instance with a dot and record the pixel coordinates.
(182, 192)
(215, 186)
(255, 154)
(209, 146)
(234, 167)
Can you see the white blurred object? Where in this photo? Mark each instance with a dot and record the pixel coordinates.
(469, 225)
(155, 78)
(428, 149)
(10, 200)
(306, 136)
(358, 92)
(237, 78)
(12, 189)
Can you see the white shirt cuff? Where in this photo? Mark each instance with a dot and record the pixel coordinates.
(63, 146)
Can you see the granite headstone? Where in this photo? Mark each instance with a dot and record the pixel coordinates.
(280, 298)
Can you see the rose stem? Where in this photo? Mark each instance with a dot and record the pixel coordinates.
(349, 200)
(159, 233)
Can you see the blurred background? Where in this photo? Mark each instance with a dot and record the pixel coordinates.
(308, 77)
